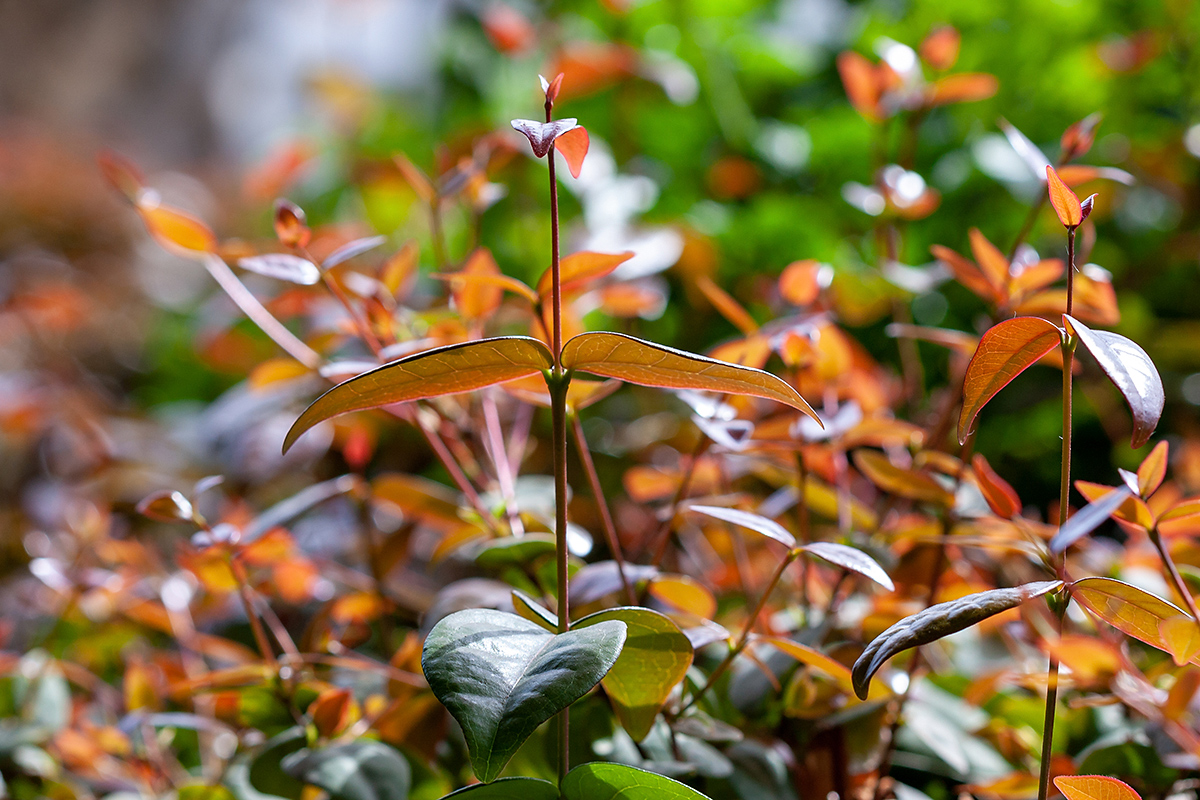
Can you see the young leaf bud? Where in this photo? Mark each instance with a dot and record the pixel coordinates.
(290, 224)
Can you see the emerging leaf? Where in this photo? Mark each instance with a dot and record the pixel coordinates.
(1131, 371)
(615, 355)
(1152, 470)
(937, 622)
(502, 676)
(175, 230)
(291, 228)
(940, 48)
(444, 370)
(579, 269)
(1004, 352)
(1077, 138)
(1065, 203)
(1094, 787)
(573, 145)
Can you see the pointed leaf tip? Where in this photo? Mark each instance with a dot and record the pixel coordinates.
(1066, 204)
(541, 135)
(1133, 373)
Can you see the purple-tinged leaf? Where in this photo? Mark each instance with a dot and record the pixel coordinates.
(1088, 519)
(853, 559)
(1131, 371)
(352, 249)
(283, 266)
(541, 135)
(755, 522)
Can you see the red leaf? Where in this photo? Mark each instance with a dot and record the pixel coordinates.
(573, 144)
(1004, 352)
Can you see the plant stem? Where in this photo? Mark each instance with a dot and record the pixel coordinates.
(260, 635)
(1173, 571)
(610, 529)
(1048, 725)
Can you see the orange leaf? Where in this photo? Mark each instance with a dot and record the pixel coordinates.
(615, 355)
(1127, 608)
(482, 279)
(902, 482)
(1094, 787)
(175, 230)
(730, 309)
(800, 283)
(1182, 638)
(1004, 352)
(1000, 496)
(478, 300)
(451, 369)
(1133, 510)
(683, 594)
(1065, 203)
(1152, 470)
(992, 262)
(332, 711)
(574, 146)
(966, 273)
(861, 83)
(581, 268)
(966, 87)
(940, 48)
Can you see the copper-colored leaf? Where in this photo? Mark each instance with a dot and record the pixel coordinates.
(966, 87)
(176, 230)
(966, 273)
(1077, 139)
(477, 300)
(1075, 174)
(581, 268)
(1131, 371)
(1131, 610)
(730, 309)
(615, 355)
(908, 483)
(291, 227)
(573, 144)
(444, 370)
(1065, 203)
(861, 83)
(166, 506)
(1094, 787)
(940, 48)
(998, 493)
(1132, 510)
(992, 262)
(800, 283)
(482, 279)
(332, 711)
(1004, 352)
(122, 174)
(814, 658)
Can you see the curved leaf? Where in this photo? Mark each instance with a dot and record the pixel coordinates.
(352, 249)
(601, 781)
(755, 522)
(1001, 498)
(1004, 352)
(176, 230)
(615, 355)
(1133, 611)
(853, 559)
(814, 658)
(939, 621)
(1066, 204)
(1088, 519)
(573, 145)
(359, 770)
(1094, 787)
(443, 370)
(1152, 470)
(654, 659)
(541, 135)
(1131, 370)
(580, 268)
(283, 266)
(509, 789)
(910, 483)
(502, 676)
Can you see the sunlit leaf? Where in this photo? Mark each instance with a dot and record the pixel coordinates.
(966, 273)
(573, 145)
(1133, 510)
(730, 309)
(832, 668)
(332, 711)
(283, 266)
(615, 355)
(1065, 203)
(1094, 787)
(851, 558)
(1004, 352)
(655, 657)
(755, 522)
(1153, 470)
(444, 370)
(1131, 371)
(1131, 610)
(166, 506)
(477, 300)
(1075, 174)
(515, 788)
(1181, 635)
(1078, 137)
(860, 80)
(683, 593)
(966, 87)
(502, 676)
(940, 48)
(581, 268)
(1000, 496)
(487, 279)
(910, 483)
(937, 622)
(1088, 519)
(601, 781)
(992, 262)
(176, 230)
(291, 226)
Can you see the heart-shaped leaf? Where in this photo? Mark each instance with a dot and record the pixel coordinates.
(853, 559)
(283, 266)
(601, 781)
(755, 522)
(580, 268)
(1004, 352)
(443, 370)
(1094, 787)
(1131, 370)
(937, 622)
(502, 676)
(654, 659)
(1133, 611)
(1088, 519)
(615, 355)
(359, 770)
(509, 789)
(910, 483)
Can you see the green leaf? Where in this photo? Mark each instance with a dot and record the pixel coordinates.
(202, 791)
(266, 773)
(515, 550)
(451, 369)
(509, 789)
(654, 659)
(502, 676)
(936, 622)
(1131, 371)
(601, 781)
(360, 770)
(615, 355)
(535, 612)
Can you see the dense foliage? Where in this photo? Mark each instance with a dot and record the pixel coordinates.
(826, 411)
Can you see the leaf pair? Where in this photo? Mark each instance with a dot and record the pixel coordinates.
(474, 365)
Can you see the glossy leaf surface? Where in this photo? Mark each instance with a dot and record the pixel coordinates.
(1065, 203)
(1131, 371)
(1004, 352)
(851, 558)
(1094, 787)
(176, 230)
(615, 355)
(937, 622)
(910, 483)
(1153, 470)
(1088, 519)
(502, 676)
(601, 781)
(509, 789)
(746, 519)
(284, 267)
(655, 657)
(443, 370)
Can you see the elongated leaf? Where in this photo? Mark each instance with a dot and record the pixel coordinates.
(283, 266)
(444, 370)
(1094, 787)
(746, 519)
(351, 250)
(485, 279)
(1152, 470)
(910, 483)
(357, 770)
(1088, 519)
(853, 559)
(1133, 373)
(502, 676)
(998, 493)
(1133, 611)
(615, 355)
(580, 268)
(177, 230)
(654, 659)
(1004, 352)
(1065, 203)
(814, 658)
(937, 622)
(601, 781)
(535, 612)
(509, 789)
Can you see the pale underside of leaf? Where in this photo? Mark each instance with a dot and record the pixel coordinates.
(1088, 519)
(1133, 373)
(853, 559)
(755, 522)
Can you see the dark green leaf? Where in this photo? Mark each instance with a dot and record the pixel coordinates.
(360, 770)
(509, 789)
(266, 773)
(601, 781)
